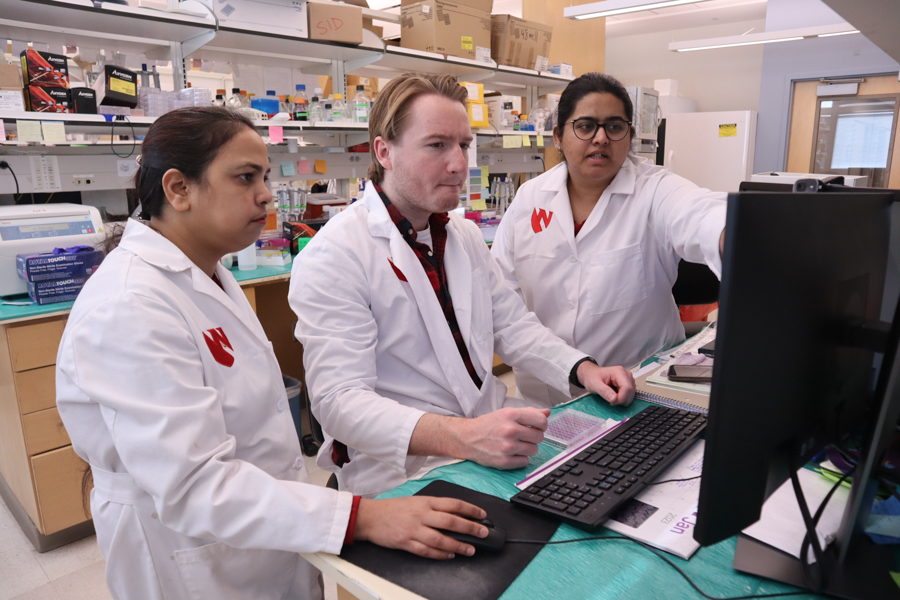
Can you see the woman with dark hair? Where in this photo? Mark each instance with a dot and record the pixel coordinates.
(593, 244)
(171, 392)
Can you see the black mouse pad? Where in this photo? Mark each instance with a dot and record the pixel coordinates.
(484, 576)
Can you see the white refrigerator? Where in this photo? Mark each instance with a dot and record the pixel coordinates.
(712, 149)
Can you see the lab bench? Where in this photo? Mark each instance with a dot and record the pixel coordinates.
(40, 474)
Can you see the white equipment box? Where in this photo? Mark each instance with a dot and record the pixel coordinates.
(38, 228)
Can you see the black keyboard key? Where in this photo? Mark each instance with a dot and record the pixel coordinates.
(616, 465)
(568, 501)
(576, 495)
(639, 472)
(612, 480)
(582, 504)
(630, 467)
(560, 482)
(591, 497)
(573, 511)
(576, 472)
(555, 505)
(571, 486)
(543, 482)
(584, 489)
(605, 486)
(571, 464)
(558, 473)
(593, 482)
(583, 456)
(626, 484)
(620, 490)
(619, 475)
(605, 462)
(544, 494)
(556, 497)
(632, 479)
(531, 498)
(552, 488)
(593, 460)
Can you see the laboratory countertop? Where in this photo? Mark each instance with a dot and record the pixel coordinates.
(13, 314)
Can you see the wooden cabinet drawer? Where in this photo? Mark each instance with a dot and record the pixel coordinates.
(36, 389)
(57, 478)
(33, 345)
(44, 431)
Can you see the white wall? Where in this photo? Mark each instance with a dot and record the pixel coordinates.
(725, 79)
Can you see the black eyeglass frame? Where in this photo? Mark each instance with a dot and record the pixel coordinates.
(600, 126)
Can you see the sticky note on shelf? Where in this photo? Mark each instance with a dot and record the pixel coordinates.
(526, 140)
(29, 131)
(287, 169)
(479, 205)
(321, 166)
(276, 134)
(54, 132)
(303, 167)
(540, 141)
(512, 141)
(484, 176)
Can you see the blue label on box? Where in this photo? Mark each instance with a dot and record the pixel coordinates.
(43, 267)
(55, 290)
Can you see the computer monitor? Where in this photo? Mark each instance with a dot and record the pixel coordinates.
(802, 286)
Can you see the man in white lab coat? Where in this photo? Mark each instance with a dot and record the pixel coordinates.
(401, 309)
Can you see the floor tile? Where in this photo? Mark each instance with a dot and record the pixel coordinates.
(70, 558)
(45, 592)
(88, 583)
(20, 571)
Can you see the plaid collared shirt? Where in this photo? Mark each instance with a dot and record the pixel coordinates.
(432, 260)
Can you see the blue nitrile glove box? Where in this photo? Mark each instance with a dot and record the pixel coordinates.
(43, 267)
(55, 290)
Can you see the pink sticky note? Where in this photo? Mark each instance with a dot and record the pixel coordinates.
(276, 134)
(303, 167)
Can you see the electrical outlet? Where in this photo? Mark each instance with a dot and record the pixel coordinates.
(83, 180)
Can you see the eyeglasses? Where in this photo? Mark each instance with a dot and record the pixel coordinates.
(585, 128)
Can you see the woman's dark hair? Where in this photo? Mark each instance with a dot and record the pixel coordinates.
(590, 83)
(187, 139)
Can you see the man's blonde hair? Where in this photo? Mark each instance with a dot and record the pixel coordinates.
(390, 113)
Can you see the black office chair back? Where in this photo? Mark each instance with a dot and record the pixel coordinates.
(696, 284)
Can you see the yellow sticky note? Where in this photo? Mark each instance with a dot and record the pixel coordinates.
(512, 141)
(467, 42)
(479, 205)
(54, 132)
(526, 140)
(728, 130)
(484, 182)
(29, 131)
(321, 166)
(540, 141)
(485, 171)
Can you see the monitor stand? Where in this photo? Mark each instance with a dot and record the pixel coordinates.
(866, 574)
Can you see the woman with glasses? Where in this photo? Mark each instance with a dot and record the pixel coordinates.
(593, 244)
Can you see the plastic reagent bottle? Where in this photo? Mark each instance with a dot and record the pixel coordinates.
(315, 110)
(301, 104)
(328, 112)
(283, 105)
(245, 99)
(235, 100)
(219, 101)
(338, 108)
(360, 106)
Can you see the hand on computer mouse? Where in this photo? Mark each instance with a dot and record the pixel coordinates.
(420, 525)
(494, 540)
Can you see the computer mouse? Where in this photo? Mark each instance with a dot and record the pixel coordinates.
(495, 539)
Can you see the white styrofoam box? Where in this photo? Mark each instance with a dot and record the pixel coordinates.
(850, 180)
(286, 17)
(666, 87)
(495, 107)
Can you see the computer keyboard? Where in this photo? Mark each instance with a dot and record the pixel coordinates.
(588, 488)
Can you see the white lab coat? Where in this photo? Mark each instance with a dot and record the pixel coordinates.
(378, 352)
(200, 489)
(607, 292)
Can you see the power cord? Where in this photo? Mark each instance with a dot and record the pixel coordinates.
(5, 165)
(674, 480)
(113, 135)
(660, 555)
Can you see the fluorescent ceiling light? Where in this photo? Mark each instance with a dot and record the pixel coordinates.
(610, 8)
(768, 37)
(838, 33)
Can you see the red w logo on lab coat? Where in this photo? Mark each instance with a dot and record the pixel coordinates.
(540, 220)
(219, 345)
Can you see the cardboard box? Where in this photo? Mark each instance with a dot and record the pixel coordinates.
(84, 101)
(475, 90)
(42, 267)
(10, 77)
(478, 114)
(12, 99)
(48, 99)
(116, 87)
(55, 290)
(485, 5)
(445, 28)
(335, 23)
(285, 17)
(44, 68)
(519, 43)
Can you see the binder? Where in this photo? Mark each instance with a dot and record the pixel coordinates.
(672, 398)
